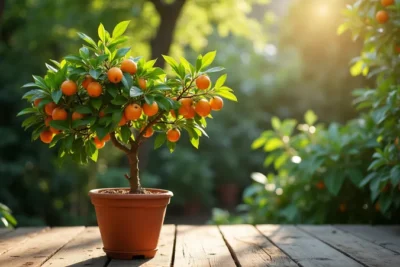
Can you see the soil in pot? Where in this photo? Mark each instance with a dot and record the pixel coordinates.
(130, 224)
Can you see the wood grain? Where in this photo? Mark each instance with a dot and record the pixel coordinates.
(305, 249)
(251, 248)
(201, 246)
(364, 251)
(15, 238)
(388, 238)
(35, 251)
(84, 250)
(163, 256)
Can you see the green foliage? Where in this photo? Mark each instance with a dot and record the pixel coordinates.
(335, 174)
(6, 217)
(94, 60)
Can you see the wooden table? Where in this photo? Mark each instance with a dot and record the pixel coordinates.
(225, 246)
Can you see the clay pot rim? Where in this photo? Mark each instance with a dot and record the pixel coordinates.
(161, 194)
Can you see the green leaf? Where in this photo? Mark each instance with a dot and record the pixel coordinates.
(60, 125)
(334, 180)
(102, 32)
(171, 61)
(68, 141)
(29, 85)
(120, 28)
(199, 62)
(135, 91)
(160, 140)
(395, 175)
(40, 82)
(276, 123)
(272, 144)
(215, 69)
(84, 121)
(87, 39)
(119, 100)
(125, 133)
(221, 80)
(56, 95)
(73, 59)
(96, 103)
(122, 52)
(149, 99)
(101, 132)
(127, 81)
(195, 141)
(188, 67)
(355, 176)
(208, 59)
(162, 87)
(83, 110)
(27, 111)
(84, 52)
(95, 74)
(310, 117)
(171, 146)
(226, 94)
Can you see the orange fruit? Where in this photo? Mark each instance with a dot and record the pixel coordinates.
(387, 2)
(150, 110)
(142, 83)
(69, 88)
(46, 137)
(203, 108)
(173, 135)
(132, 112)
(49, 108)
(114, 75)
(397, 49)
(76, 116)
(190, 113)
(54, 130)
(94, 89)
(105, 139)
(59, 114)
(203, 82)
(320, 185)
(129, 66)
(36, 102)
(186, 101)
(88, 79)
(216, 103)
(342, 207)
(123, 121)
(382, 16)
(99, 143)
(101, 114)
(149, 132)
(47, 121)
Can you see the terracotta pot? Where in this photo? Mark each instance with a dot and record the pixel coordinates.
(130, 224)
(229, 194)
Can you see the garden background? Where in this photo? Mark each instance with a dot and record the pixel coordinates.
(283, 58)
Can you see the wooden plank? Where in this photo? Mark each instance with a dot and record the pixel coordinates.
(84, 250)
(16, 238)
(36, 250)
(164, 253)
(201, 246)
(363, 251)
(305, 249)
(388, 238)
(251, 248)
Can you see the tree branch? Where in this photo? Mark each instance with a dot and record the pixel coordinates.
(117, 144)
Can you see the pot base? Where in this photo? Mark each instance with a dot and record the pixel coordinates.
(147, 254)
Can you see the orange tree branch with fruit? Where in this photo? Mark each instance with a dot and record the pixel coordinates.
(101, 94)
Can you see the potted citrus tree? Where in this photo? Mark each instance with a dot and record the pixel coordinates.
(102, 94)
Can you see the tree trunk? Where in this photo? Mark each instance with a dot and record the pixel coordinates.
(134, 180)
(169, 14)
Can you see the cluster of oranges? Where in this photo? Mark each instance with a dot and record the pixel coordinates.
(132, 111)
(382, 16)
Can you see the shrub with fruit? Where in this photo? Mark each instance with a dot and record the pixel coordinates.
(102, 94)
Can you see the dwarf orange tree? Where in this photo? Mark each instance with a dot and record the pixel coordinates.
(101, 94)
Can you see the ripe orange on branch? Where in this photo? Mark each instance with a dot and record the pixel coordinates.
(46, 137)
(36, 102)
(382, 16)
(76, 116)
(88, 79)
(114, 75)
(69, 88)
(49, 108)
(54, 130)
(123, 121)
(132, 112)
(203, 82)
(47, 121)
(203, 108)
(387, 2)
(59, 114)
(99, 143)
(94, 89)
(142, 83)
(149, 132)
(129, 66)
(173, 135)
(150, 110)
(216, 103)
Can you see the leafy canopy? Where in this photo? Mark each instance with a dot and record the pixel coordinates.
(103, 115)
